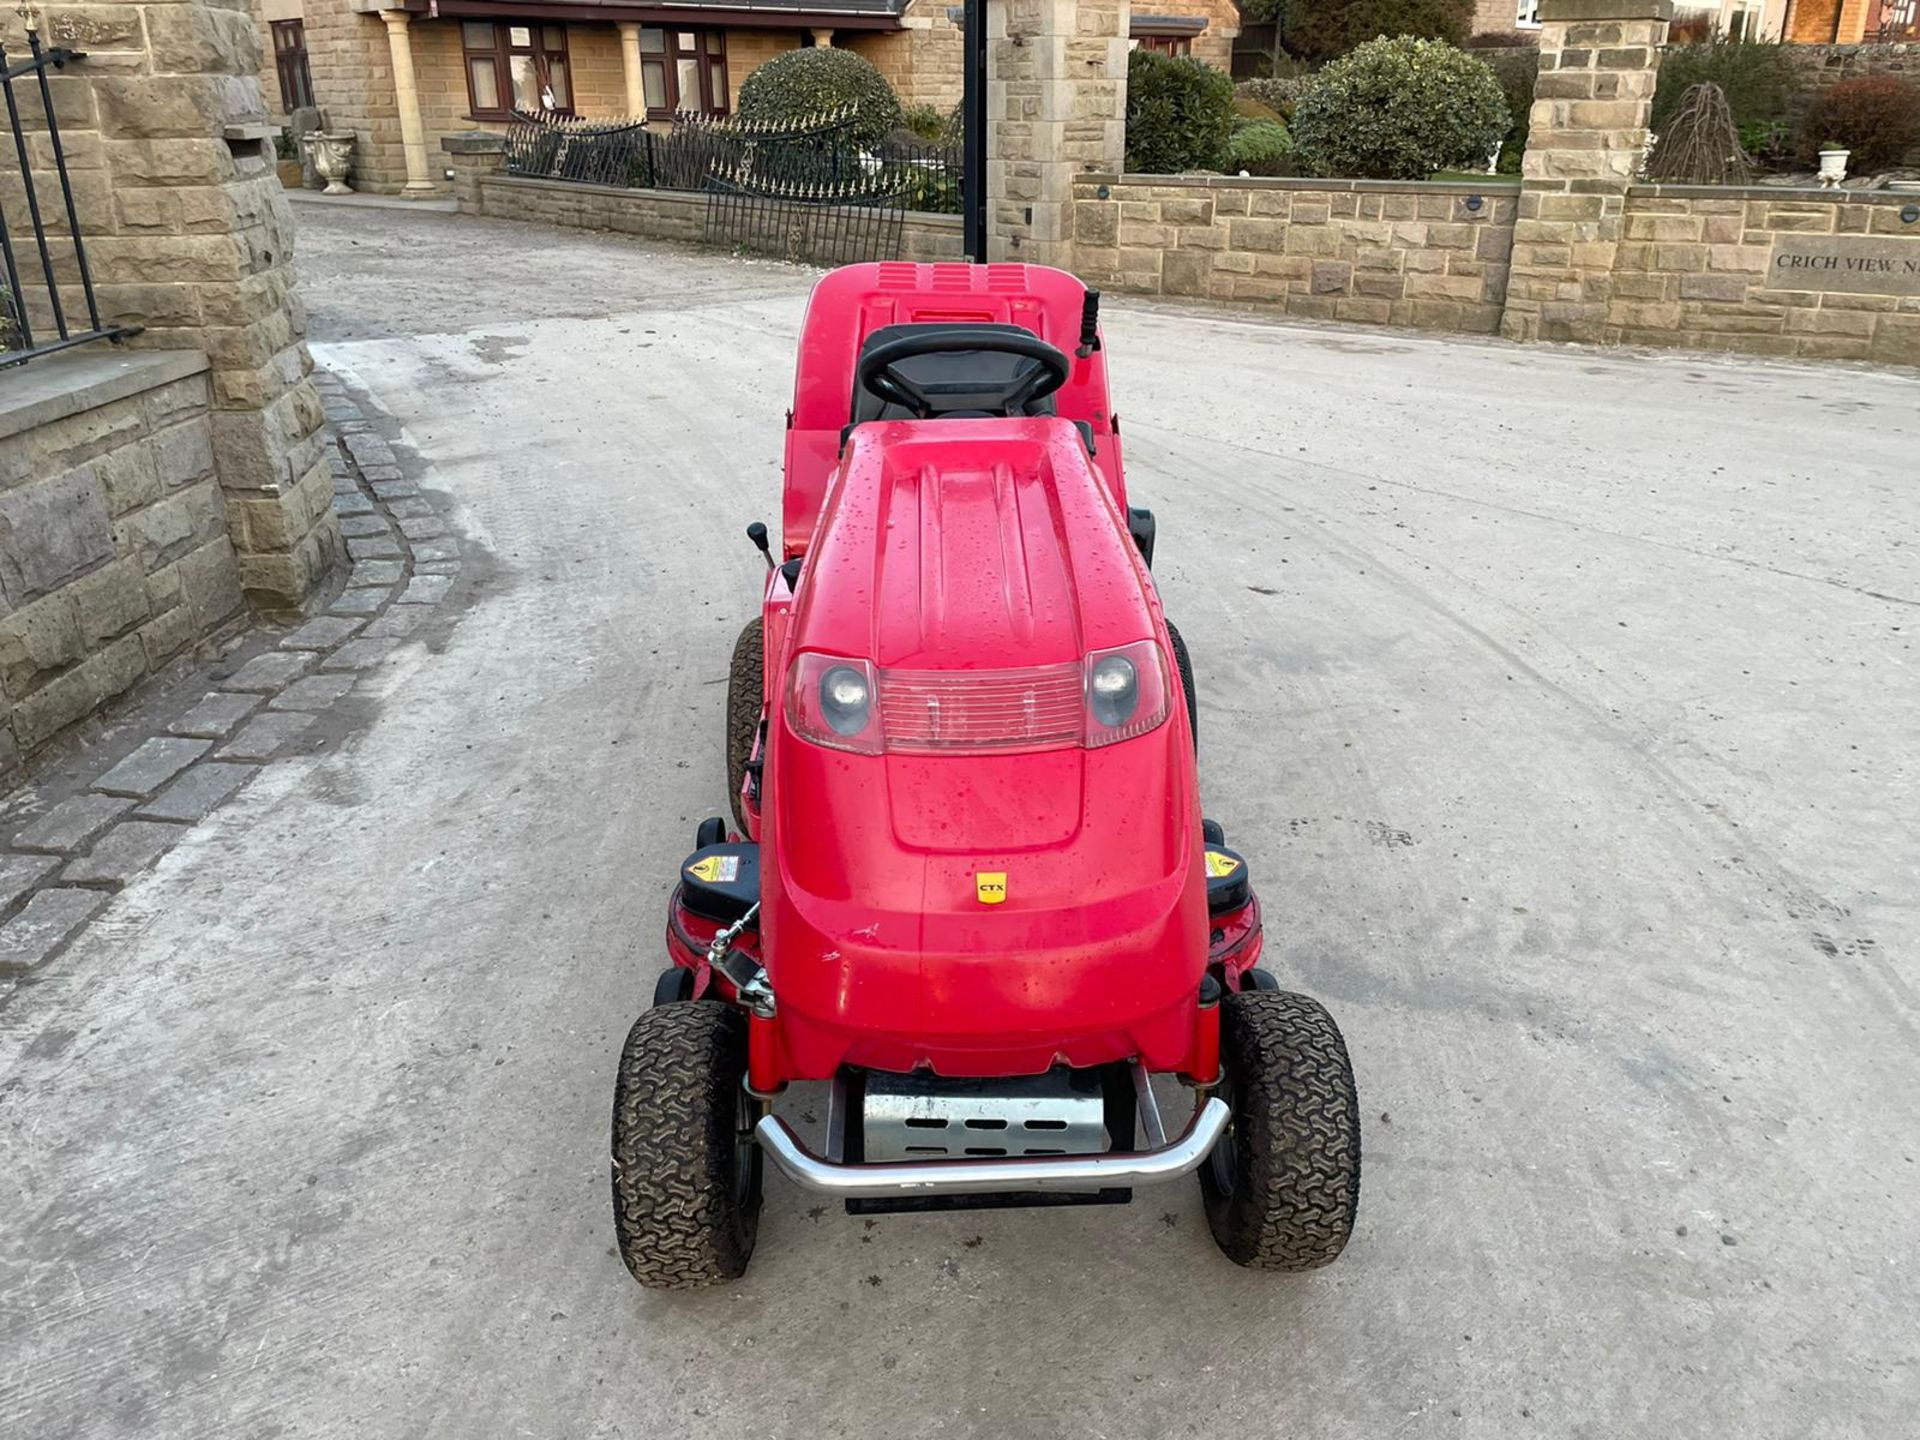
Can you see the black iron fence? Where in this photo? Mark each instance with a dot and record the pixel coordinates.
(36, 311)
(809, 191)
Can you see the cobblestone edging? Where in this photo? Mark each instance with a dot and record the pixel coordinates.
(65, 864)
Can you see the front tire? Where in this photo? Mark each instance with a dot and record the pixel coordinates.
(1282, 1186)
(746, 686)
(686, 1170)
(1185, 666)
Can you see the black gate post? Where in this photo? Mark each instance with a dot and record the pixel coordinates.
(973, 131)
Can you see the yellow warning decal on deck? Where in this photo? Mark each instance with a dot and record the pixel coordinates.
(1219, 865)
(716, 869)
(990, 886)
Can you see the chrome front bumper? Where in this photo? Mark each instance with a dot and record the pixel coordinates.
(894, 1178)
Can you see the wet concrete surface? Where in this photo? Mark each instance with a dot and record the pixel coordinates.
(1562, 700)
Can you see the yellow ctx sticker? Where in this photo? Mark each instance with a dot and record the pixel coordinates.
(1219, 865)
(990, 886)
(716, 869)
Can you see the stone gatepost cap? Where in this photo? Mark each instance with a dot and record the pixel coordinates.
(473, 142)
(1606, 9)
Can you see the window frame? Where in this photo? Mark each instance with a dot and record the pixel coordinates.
(1526, 15)
(285, 60)
(708, 51)
(1178, 46)
(502, 53)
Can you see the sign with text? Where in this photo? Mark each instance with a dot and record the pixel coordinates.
(1852, 264)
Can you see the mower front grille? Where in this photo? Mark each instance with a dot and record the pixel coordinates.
(1031, 708)
(922, 1117)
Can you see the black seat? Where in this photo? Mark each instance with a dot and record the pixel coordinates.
(966, 382)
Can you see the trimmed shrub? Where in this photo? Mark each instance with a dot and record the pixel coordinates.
(1504, 40)
(1278, 94)
(801, 84)
(1323, 29)
(1179, 114)
(1400, 109)
(928, 122)
(1758, 77)
(1877, 117)
(1259, 147)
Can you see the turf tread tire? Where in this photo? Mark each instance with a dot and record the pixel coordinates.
(746, 698)
(677, 1213)
(1185, 666)
(1296, 1130)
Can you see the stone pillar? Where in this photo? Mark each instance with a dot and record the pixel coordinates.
(406, 95)
(475, 154)
(630, 69)
(1056, 108)
(822, 39)
(1599, 60)
(189, 235)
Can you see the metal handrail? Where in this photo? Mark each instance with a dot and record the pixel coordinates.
(17, 342)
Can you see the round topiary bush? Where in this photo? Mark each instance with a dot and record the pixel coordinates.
(1259, 147)
(1400, 109)
(1179, 114)
(802, 84)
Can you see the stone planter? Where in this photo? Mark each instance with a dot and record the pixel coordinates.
(332, 154)
(1833, 167)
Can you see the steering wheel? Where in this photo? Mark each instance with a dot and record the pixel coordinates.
(878, 370)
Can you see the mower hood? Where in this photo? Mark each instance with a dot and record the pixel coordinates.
(969, 568)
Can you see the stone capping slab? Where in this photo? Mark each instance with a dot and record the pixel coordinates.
(1495, 185)
(673, 197)
(1796, 195)
(1577, 10)
(474, 142)
(69, 383)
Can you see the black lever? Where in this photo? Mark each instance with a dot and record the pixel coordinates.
(757, 533)
(1089, 325)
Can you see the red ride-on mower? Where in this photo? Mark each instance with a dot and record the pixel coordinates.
(970, 886)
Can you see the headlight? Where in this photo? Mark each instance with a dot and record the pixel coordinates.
(1113, 690)
(1128, 692)
(832, 700)
(846, 700)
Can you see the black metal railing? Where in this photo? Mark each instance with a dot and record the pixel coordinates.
(808, 191)
(820, 155)
(37, 322)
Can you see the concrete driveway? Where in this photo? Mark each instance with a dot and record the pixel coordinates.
(1565, 702)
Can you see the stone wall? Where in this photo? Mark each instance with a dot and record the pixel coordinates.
(923, 62)
(114, 550)
(651, 214)
(1433, 256)
(1706, 267)
(189, 236)
(1823, 64)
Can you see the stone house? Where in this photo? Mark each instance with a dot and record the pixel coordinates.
(402, 74)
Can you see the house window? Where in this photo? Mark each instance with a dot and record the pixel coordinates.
(683, 70)
(1528, 17)
(1166, 44)
(290, 60)
(516, 67)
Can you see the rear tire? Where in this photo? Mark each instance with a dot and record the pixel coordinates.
(746, 686)
(686, 1170)
(1185, 666)
(1282, 1186)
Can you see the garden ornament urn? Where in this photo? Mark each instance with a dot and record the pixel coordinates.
(1833, 163)
(332, 154)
